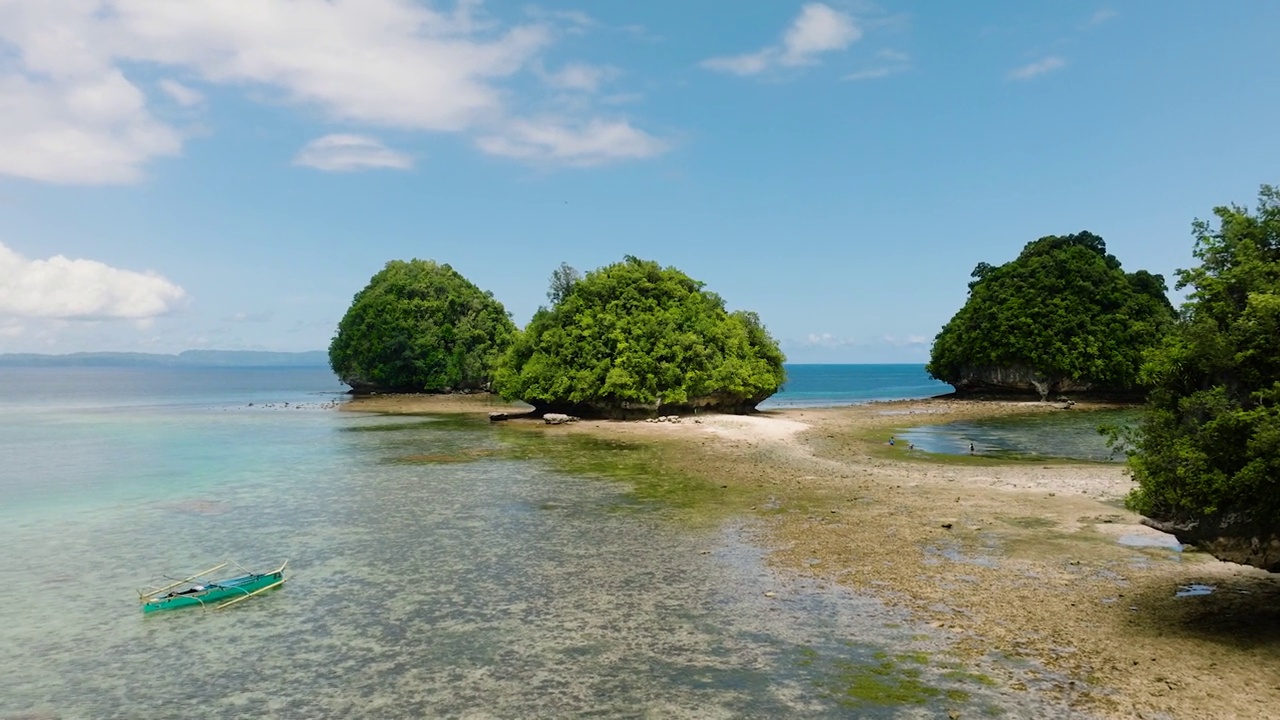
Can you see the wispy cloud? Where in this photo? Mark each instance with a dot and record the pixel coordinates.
(1102, 16)
(81, 290)
(580, 144)
(895, 62)
(829, 340)
(579, 77)
(575, 19)
(1037, 68)
(11, 328)
(876, 73)
(818, 29)
(261, 316)
(825, 340)
(181, 94)
(345, 153)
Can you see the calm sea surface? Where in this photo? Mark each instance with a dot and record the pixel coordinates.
(498, 587)
(825, 385)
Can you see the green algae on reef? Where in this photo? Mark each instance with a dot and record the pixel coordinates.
(884, 683)
(893, 680)
(639, 465)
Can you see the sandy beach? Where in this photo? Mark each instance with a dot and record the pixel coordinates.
(1017, 559)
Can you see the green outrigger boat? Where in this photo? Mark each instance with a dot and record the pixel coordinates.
(211, 595)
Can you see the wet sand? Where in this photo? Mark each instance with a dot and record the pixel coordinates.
(1015, 559)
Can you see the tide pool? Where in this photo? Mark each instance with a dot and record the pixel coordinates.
(1070, 434)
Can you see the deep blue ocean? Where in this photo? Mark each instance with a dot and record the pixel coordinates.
(495, 587)
(827, 385)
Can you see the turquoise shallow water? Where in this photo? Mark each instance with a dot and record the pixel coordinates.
(494, 588)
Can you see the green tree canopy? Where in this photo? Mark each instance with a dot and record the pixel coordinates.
(635, 336)
(1063, 310)
(420, 327)
(1209, 443)
(563, 279)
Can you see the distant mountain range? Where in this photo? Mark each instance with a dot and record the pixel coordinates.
(189, 358)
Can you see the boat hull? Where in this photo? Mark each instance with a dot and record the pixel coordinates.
(216, 593)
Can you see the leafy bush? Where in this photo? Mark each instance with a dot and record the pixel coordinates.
(420, 327)
(636, 335)
(1063, 309)
(1209, 442)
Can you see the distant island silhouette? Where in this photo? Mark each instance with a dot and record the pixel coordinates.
(188, 358)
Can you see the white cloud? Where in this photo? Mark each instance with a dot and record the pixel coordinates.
(894, 56)
(181, 94)
(81, 290)
(385, 62)
(81, 129)
(344, 153)
(1037, 68)
(70, 114)
(817, 29)
(594, 143)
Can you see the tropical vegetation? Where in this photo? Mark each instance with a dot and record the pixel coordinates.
(637, 337)
(1063, 312)
(1209, 443)
(419, 326)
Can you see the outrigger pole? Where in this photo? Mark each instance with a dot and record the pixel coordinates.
(157, 591)
(246, 596)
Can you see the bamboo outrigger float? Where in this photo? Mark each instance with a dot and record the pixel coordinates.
(210, 595)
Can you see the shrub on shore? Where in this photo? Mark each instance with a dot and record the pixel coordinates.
(420, 327)
(1062, 316)
(635, 338)
(1208, 448)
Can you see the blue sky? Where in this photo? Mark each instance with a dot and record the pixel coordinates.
(228, 173)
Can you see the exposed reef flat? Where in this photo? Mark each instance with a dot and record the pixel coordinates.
(1025, 559)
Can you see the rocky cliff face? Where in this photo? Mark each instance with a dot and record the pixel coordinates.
(1020, 380)
(1233, 537)
(631, 411)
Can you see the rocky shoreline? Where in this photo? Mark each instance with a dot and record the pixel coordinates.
(1011, 559)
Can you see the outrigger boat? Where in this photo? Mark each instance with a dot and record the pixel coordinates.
(215, 595)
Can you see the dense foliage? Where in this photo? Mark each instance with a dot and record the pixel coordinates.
(1063, 309)
(419, 326)
(1209, 443)
(637, 334)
